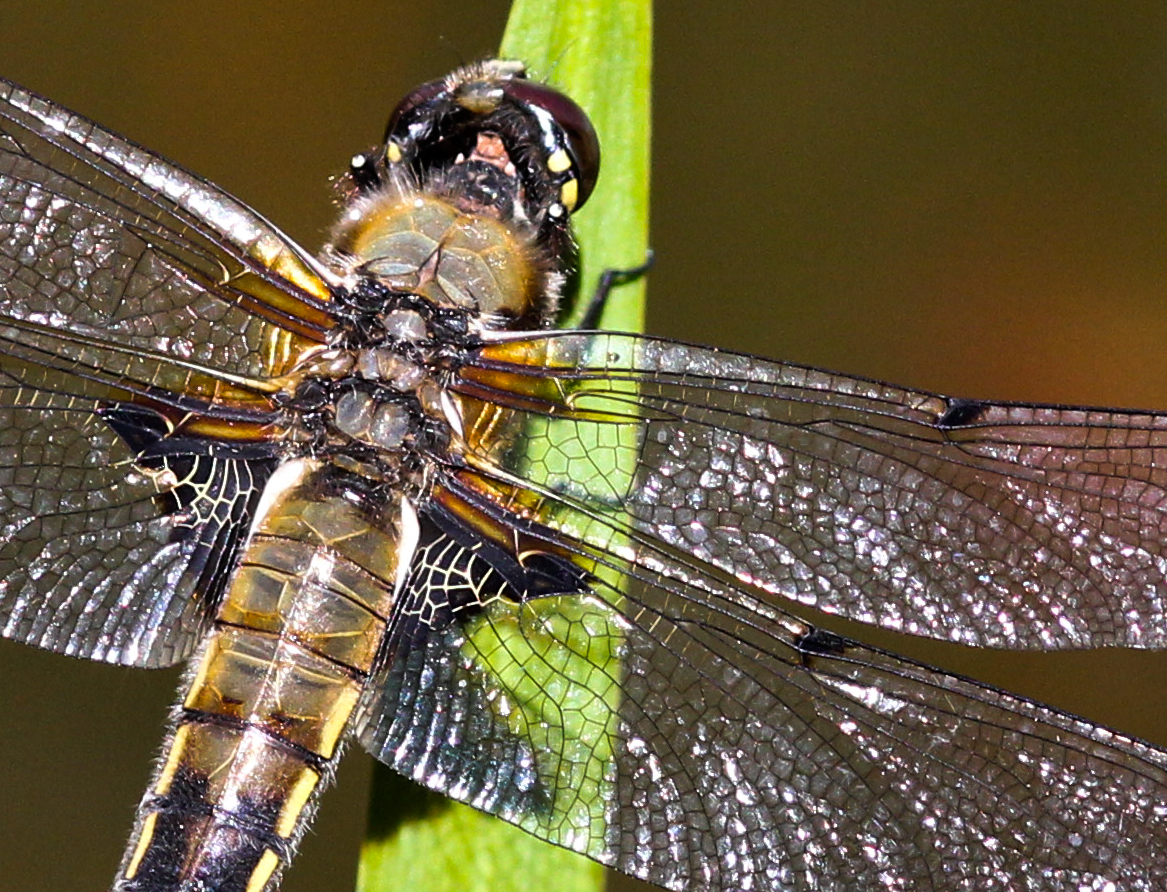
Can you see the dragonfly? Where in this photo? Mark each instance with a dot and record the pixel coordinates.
(580, 580)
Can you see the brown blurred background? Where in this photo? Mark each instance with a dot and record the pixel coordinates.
(963, 197)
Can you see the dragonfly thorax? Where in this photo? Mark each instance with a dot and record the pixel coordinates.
(452, 256)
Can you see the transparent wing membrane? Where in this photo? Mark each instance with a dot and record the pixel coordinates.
(123, 315)
(749, 748)
(697, 735)
(1001, 525)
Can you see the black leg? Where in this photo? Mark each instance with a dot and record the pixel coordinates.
(611, 278)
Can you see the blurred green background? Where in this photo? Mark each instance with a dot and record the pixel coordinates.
(963, 197)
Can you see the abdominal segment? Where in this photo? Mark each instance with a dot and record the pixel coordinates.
(259, 731)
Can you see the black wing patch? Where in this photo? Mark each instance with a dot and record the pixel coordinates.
(472, 669)
(131, 572)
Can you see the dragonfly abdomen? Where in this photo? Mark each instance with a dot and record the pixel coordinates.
(259, 731)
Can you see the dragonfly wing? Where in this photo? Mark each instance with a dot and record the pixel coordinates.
(670, 723)
(994, 525)
(139, 307)
(666, 714)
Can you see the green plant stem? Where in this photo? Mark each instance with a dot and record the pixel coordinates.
(599, 52)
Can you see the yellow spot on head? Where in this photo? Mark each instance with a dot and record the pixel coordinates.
(559, 161)
(144, 839)
(268, 862)
(393, 152)
(569, 194)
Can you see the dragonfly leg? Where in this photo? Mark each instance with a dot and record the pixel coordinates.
(609, 279)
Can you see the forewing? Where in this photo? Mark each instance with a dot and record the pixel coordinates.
(1001, 525)
(141, 313)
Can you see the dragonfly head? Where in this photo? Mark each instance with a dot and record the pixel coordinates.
(484, 169)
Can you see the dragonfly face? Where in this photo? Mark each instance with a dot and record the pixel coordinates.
(346, 470)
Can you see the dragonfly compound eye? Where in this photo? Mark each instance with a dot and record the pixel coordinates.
(569, 140)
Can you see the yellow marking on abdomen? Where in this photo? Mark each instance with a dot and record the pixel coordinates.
(144, 840)
(268, 862)
(173, 758)
(294, 804)
(337, 720)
